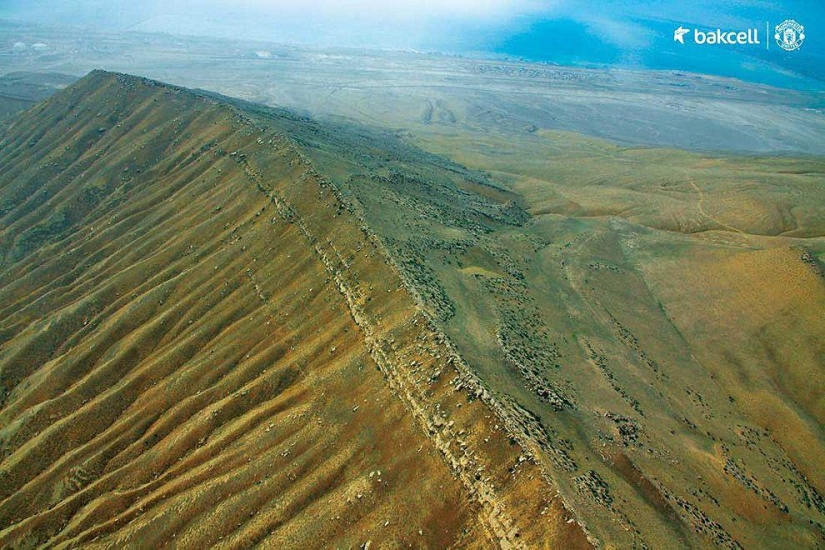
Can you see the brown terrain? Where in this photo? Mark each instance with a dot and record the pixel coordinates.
(201, 345)
(226, 324)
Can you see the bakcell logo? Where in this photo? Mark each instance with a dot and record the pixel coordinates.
(718, 36)
(788, 35)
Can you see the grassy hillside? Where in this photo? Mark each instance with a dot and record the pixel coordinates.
(201, 345)
(654, 317)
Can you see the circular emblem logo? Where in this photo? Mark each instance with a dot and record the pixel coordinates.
(789, 35)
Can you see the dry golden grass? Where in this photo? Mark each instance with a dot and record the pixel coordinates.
(755, 327)
(199, 346)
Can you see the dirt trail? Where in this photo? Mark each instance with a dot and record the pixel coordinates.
(701, 207)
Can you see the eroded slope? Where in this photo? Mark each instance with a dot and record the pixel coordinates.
(201, 345)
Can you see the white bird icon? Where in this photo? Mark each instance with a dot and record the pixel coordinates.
(679, 34)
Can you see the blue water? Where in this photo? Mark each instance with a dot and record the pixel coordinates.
(614, 33)
(568, 41)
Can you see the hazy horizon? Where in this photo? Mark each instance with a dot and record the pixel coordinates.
(568, 32)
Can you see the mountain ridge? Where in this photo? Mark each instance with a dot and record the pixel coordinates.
(186, 276)
(101, 325)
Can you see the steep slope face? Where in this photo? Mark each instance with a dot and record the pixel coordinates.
(201, 345)
(652, 318)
